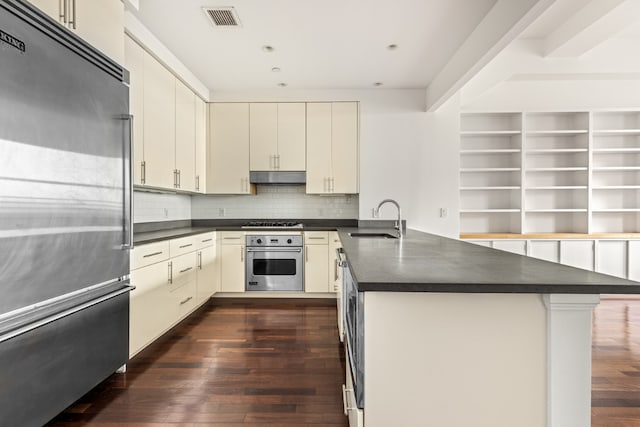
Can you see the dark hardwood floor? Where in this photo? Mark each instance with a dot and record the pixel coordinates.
(279, 363)
(616, 363)
(234, 363)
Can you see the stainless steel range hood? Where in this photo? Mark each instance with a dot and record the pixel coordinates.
(264, 177)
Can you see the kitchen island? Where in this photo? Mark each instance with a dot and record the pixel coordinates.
(455, 334)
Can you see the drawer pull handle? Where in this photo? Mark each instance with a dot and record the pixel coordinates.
(186, 246)
(316, 238)
(185, 270)
(170, 272)
(231, 238)
(186, 300)
(206, 240)
(153, 254)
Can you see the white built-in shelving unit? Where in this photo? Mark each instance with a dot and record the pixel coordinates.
(550, 172)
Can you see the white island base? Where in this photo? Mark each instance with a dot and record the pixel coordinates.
(481, 360)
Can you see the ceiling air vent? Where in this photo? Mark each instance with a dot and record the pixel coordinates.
(225, 16)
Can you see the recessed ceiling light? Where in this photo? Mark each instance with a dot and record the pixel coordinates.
(268, 48)
(276, 69)
(392, 47)
(282, 84)
(377, 84)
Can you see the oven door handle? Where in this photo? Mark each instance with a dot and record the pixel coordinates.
(274, 249)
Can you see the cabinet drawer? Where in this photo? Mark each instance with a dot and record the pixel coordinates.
(232, 237)
(184, 299)
(205, 240)
(148, 254)
(316, 237)
(183, 245)
(183, 270)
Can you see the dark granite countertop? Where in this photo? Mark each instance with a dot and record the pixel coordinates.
(422, 262)
(141, 238)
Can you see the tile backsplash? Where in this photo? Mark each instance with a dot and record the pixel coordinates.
(275, 201)
(151, 207)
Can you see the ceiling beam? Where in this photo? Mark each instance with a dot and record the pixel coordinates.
(504, 22)
(596, 22)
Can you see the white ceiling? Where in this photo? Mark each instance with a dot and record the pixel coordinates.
(319, 44)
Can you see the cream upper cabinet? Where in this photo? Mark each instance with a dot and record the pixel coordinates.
(159, 124)
(134, 62)
(318, 147)
(277, 136)
(228, 165)
(263, 136)
(100, 23)
(201, 145)
(185, 140)
(332, 147)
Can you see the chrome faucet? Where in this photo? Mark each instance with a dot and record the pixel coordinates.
(398, 224)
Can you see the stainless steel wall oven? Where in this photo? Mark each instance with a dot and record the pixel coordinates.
(275, 263)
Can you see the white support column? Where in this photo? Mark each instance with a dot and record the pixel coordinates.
(569, 359)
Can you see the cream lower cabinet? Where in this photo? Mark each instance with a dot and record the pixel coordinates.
(172, 278)
(316, 259)
(99, 23)
(332, 147)
(232, 261)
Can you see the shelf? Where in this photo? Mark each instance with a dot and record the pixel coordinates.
(568, 169)
(558, 187)
(615, 132)
(489, 132)
(491, 150)
(489, 188)
(489, 211)
(489, 170)
(559, 132)
(553, 210)
(616, 150)
(616, 168)
(618, 187)
(556, 150)
(615, 210)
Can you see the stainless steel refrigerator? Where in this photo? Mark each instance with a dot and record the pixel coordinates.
(65, 216)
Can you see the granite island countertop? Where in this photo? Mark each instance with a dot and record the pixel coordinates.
(423, 262)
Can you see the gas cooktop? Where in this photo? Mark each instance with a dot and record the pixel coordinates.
(272, 224)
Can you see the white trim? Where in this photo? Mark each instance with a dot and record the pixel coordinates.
(569, 358)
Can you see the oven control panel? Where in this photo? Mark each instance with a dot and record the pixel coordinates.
(274, 240)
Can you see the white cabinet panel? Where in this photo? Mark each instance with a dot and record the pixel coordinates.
(292, 136)
(318, 147)
(577, 253)
(515, 246)
(612, 257)
(134, 61)
(634, 260)
(485, 243)
(232, 268)
(201, 145)
(344, 147)
(316, 274)
(263, 136)
(548, 250)
(185, 140)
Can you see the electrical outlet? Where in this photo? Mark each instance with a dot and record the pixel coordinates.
(166, 213)
(443, 212)
(221, 212)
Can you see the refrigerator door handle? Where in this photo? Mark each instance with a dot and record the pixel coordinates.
(127, 202)
(35, 325)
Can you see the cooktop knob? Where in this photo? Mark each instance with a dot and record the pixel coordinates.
(259, 241)
(289, 241)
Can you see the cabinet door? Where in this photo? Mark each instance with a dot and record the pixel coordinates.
(577, 253)
(150, 297)
(50, 7)
(515, 246)
(292, 137)
(263, 136)
(318, 147)
(185, 148)
(344, 147)
(316, 274)
(134, 62)
(159, 124)
(101, 23)
(201, 145)
(634, 260)
(228, 167)
(612, 257)
(207, 282)
(232, 268)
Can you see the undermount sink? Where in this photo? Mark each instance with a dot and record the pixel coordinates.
(373, 235)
